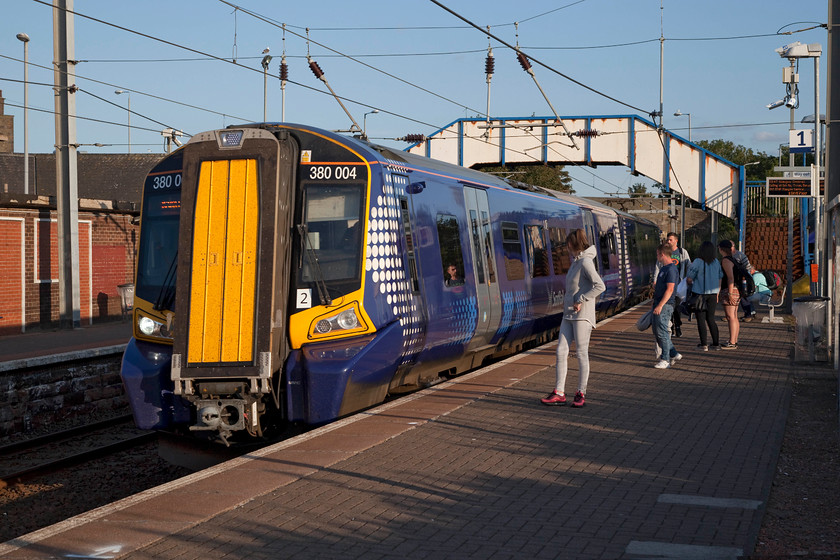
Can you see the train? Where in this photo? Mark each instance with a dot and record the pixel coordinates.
(291, 275)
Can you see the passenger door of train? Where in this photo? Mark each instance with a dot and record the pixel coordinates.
(488, 296)
(589, 230)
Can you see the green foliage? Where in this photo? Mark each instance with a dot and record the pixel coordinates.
(552, 177)
(760, 163)
(637, 190)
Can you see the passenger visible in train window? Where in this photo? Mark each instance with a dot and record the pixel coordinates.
(452, 277)
(583, 285)
(663, 307)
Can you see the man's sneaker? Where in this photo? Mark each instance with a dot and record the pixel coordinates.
(662, 364)
(729, 346)
(675, 359)
(677, 332)
(714, 347)
(579, 400)
(702, 347)
(554, 399)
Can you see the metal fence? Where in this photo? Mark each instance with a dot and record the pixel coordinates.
(759, 204)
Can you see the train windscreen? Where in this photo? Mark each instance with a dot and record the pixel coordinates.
(156, 263)
(333, 219)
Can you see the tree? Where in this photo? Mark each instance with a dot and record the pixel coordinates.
(637, 190)
(553, 177)
(761, 163)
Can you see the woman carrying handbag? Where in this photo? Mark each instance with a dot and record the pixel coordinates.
(703, 277)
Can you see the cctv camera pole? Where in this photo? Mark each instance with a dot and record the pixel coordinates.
(790, 202)
(832, 174)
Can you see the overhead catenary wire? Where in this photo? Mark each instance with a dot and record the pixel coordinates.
(546, 66)
(222, 59)
(308, 39)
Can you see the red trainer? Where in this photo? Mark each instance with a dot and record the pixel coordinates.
(579, 400)
(554, 399)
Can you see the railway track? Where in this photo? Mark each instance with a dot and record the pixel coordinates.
(27, 460)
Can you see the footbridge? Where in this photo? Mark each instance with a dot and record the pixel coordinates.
(628, 140)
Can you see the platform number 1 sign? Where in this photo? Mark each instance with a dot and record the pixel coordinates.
(801, 141)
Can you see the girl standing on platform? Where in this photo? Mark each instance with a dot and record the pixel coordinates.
(704, 276)
(730, 297)
(583, 284)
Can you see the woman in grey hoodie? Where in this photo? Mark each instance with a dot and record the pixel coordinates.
(582, 287)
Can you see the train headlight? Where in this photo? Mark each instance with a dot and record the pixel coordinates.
(146, 326)
(346, 320)
(230, 138)
(153, 328)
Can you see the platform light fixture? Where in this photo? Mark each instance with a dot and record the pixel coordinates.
(24, 38)
(120, 92)
(364, 122)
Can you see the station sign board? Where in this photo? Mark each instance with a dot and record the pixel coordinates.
(801, 141)
(792, 187)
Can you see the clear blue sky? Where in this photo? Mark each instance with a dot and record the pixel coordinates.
(418, 64)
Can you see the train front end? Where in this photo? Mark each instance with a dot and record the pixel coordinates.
(265, 256)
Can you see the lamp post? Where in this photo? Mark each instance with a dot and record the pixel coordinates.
(23, 37)
(679, 113)
(119, 92)
(364, 122)
(266, 60)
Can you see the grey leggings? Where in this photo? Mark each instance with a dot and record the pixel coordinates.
(579, 331)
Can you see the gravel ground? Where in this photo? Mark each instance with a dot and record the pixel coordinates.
(803, 514)
(30, 506)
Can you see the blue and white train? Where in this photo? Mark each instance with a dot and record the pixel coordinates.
(290, 274)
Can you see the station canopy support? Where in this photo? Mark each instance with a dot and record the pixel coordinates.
(628, 140)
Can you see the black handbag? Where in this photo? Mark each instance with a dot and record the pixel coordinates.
(696, 302)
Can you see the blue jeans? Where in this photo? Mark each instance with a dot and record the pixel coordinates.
(662, 331)
(746, 305)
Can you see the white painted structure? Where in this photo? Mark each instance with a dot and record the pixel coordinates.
(626, 140)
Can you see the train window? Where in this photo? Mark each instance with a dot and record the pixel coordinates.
(605, 250)
(156, 262)
(560, 257)
(334, 222)
(488, 247)
(512, 246)
(537, 252)
(449, 241)
(409, 245)
(476, 240)
(609, 250)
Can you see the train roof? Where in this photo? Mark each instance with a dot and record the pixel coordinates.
(408, 159)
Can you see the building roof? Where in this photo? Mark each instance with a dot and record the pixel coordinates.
(116, 177)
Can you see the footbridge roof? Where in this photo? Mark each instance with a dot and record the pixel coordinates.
(629, 140)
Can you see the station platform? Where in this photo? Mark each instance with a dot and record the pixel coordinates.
(47, 346)
(673, 463)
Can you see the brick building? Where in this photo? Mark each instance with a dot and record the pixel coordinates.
(109, 188)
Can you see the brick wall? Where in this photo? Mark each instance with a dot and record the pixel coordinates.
(29, 289)
(35, 398)
(766, 242)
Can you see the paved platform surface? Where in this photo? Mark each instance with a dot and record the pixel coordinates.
(674, 463)
(42, 346)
